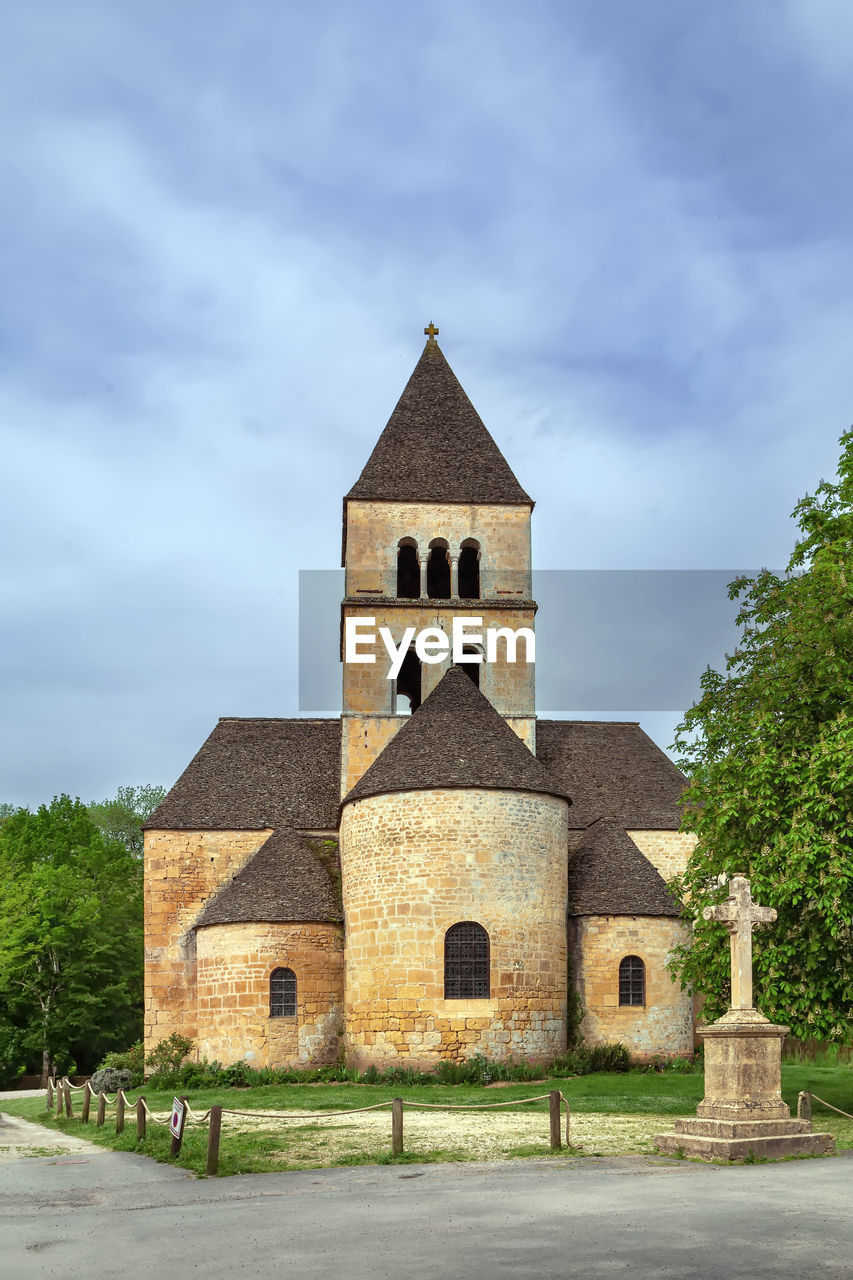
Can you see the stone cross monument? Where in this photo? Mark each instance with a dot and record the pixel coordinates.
(741, 915)
(743, 1112)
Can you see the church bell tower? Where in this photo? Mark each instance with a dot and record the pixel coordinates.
(436, 528)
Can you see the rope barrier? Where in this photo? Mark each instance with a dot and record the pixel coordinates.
(478, 1106)
(202, 1118)
(831, 1107)
(305, 1115)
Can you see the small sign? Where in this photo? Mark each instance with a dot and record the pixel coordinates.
(176, 1124)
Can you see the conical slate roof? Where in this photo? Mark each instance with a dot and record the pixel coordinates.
(455, 740)
(282, 882)
(435, 447)
(608, 876)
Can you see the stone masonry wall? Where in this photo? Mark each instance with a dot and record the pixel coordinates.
(664, 1025)
(415, 863)
(234, 966)
(182, 870)
(374, 530)
(667, 851)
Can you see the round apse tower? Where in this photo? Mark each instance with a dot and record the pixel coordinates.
(454, 866)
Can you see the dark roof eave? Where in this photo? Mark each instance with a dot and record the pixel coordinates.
(453, 786)
(269, 918)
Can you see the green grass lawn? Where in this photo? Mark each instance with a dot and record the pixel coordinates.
(610, 1111)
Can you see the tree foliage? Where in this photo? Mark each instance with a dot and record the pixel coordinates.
(768, 750)
(121, 818)
(70, 935)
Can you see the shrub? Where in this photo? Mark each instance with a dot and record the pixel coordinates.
(167, 1056)
(610, 1057)
(574, 1063)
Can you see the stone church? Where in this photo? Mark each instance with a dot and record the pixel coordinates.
(436, 872)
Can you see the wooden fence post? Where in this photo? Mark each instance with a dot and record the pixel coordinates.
(120, 1111)
(66, 1089)
(804, 1106)
(140, 1119)
(554, 1110)
(213, 1135)
(102, 1108)
(87, 1100)
(175, 1149)
(49, 1094)
(397, 1127)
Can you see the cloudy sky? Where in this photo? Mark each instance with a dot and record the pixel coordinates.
(222, 229)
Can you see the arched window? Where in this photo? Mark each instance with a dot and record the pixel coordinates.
(408, 570)
(438, 571)
(466, 962)
(469, 570)
(282, 993)
(472, 669)
(632, 981)
(408, 692)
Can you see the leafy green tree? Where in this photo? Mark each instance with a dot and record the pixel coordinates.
(769, 752)
(122, 817)
(70, 935)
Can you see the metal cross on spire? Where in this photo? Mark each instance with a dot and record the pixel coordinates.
(741, 915)
(431, 331)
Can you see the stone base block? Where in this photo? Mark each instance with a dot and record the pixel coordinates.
(742, 1139)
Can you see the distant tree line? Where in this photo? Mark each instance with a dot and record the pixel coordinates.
(71, 930)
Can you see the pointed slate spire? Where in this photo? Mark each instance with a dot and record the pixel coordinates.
(608, 876)
(435, 447)
(455, 740)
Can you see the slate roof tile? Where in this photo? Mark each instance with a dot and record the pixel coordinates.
(608, 876)
(258, 773)
(456, 739)
(282, 882)
(435, 446)
(611, 767)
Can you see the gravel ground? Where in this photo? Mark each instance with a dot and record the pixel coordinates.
(479, 1135)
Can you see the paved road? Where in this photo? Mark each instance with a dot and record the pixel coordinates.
(114, 1216)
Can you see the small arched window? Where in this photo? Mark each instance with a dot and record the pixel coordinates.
(472, 669)
(438, 571)
(632, 981)
(466, 962)
(282, 993)
(408, 691)
(408, 570)
(469, 570)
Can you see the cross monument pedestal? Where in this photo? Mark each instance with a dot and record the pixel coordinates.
(742, 1113)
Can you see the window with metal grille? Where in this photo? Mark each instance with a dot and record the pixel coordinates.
(466, 962)
(632, 981)
(282, 993)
